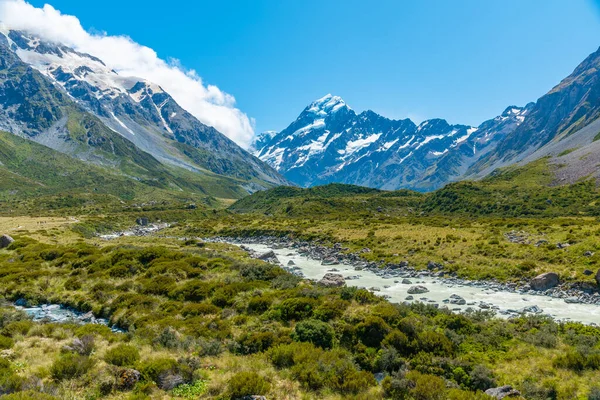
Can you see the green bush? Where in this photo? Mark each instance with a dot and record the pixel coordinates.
(372, 331)
(314, 331)
(152, 369)
(6, 342)
(297, 308)
(122, 355)
(247, 383)
(70, 365)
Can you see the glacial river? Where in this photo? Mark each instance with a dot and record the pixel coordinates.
(503, 302)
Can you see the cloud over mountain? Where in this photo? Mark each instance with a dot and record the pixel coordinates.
(206, 102)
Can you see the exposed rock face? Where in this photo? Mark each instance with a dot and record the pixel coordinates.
(598, 277)
(5, 241)
(417, 289)
(502, 392)
(332, 280)
(544, 281)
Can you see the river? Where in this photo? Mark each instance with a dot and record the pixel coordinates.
(506, 304)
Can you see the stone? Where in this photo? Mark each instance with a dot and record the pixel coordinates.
(291, 263)
(406, 281)
(544, 281)
(5, 241)
(588, 253)
(142, 221)
(417, 289)
(588, 272)
(128, 378)
(502, 392)
(330, 261)
(409, 298)
(598, 277)
(254, 397)
(269, 256)
(332, 280)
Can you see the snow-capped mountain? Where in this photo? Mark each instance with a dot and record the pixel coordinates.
(329, 142)
(68, 83)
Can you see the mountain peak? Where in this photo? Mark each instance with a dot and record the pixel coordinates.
(327, 104)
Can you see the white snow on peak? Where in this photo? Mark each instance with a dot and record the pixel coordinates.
(327, 105)
(461, 139)
(96, 74)
(360, 143)
(317, 124)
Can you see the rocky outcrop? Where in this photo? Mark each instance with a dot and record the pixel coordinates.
(598, 277)
(502, 392)
(332, 280)
(5, 241)
(417, 289)
(544, 281)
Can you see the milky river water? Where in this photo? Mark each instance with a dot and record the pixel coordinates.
(438, 291)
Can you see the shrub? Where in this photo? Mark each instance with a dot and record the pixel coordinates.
(372, 331)
(152, 369)
(28, 395)
(84, 346)
(255, 342)
(247, 383)
(6, 342)
(314, 331)
(122, 355)
(199, 309)
(70, 365)
(481, 378)
(259, 304)
(17, 328)
(297, 308)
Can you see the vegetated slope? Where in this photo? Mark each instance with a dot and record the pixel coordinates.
(330, 200)
(286, 338)
(518, 191)
(30, 171)
(75, 104)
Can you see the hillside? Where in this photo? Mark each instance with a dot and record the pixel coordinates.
(30, 172)
(74, 104)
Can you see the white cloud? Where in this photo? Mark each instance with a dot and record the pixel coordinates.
(207, 102)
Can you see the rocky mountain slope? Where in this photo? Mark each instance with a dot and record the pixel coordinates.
(329, 142)
(75, 104)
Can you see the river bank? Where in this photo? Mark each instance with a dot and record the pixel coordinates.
(439, 287)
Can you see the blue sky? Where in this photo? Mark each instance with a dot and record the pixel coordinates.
(463, 60)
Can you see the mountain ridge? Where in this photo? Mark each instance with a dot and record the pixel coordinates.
(72, 102)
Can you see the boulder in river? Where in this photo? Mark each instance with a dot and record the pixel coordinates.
(544, 281)
(417, 289)
(269, 256)
(5, 241)
(502, 392)
(406, 281)
(332, 280)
